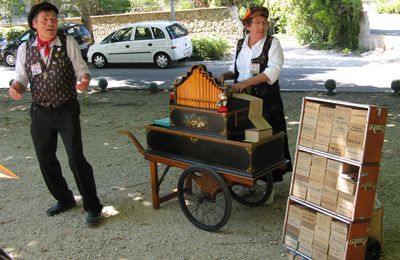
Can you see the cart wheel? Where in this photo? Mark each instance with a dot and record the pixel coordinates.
(256, 195)
(204, 198)
(373, 249)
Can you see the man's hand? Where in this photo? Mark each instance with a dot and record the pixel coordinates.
(16, 90)
(84, 83)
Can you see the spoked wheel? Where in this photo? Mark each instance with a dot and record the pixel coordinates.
(162, 60)
(204, 198)
(256, 195)
(10, 59)
(99, 61)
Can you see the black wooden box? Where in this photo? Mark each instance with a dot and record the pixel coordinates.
(242, 158)
(230, 125)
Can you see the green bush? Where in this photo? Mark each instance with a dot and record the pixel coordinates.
(149, 5)
(205, 48)
(239, 3)
(185, 4)
(12, 33)
(388, 6)
(279, 11)
(160, 5)
(326, 23)
(113, 7)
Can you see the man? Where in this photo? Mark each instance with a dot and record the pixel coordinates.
(52, 63)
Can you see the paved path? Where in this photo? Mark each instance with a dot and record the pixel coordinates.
(385, 24)
(372, 71)
(305, 69)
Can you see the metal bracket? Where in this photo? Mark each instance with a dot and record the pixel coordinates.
(368, 186)
(377, 128)
(162, 177)
(358, 242)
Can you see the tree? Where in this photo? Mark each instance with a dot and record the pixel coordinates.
(85, 15)
(82, 8)
(9, 8)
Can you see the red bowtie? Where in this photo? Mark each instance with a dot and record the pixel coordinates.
(44, 44)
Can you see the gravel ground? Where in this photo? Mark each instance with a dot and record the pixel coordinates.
(131, 228)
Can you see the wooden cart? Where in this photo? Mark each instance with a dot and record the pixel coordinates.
(207, 183)
(206, 140)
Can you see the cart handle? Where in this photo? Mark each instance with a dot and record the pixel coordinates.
(139, 147)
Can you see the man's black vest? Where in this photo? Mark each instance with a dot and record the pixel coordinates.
(52, 84)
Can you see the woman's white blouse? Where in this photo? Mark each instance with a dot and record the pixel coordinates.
(246, 54)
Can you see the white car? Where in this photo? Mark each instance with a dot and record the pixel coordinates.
(144, 42)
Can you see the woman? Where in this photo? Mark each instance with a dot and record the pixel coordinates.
(256, 68)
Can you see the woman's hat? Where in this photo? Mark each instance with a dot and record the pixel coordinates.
(35, 9)
(253, 12)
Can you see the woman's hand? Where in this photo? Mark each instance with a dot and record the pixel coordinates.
(240, 87)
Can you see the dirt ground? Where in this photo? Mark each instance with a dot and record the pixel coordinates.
(131, 228)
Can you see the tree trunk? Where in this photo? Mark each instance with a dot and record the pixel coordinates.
(86, 19)
(233, 10)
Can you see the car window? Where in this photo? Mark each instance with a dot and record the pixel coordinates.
(143, 33)
(108, 38)
(82, 30)
(176, 31)
(73, 31)
(158, 33)
(27, 36)
(122, 35)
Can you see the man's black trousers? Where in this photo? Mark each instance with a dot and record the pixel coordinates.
(46, 124)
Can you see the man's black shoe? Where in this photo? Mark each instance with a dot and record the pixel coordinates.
(59, 207)
(93, 218)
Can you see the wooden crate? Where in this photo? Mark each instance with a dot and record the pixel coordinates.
(345, 240)
(336, 171)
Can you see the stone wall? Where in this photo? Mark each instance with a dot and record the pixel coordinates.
(219, 22)
(378, 31)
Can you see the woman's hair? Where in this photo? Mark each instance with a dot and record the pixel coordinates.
(254, 11)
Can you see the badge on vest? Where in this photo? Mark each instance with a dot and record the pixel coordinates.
(255, 68)
(36, 69)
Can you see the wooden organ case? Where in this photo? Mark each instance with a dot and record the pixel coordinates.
(195, 106)
(198, 133)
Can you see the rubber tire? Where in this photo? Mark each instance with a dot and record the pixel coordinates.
(256, 201)
(162, 60)
(99, 61)
(374, 248)
(10, 59)
(224, 190)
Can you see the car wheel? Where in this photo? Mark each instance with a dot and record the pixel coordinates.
(99, 61)
(162, 60)
(9, 59)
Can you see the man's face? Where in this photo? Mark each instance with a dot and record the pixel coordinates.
(46, 23)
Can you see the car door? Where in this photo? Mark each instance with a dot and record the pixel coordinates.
(162, 41)
(22, 38)
(143, 46)
(120, 46)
